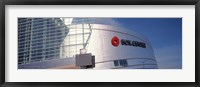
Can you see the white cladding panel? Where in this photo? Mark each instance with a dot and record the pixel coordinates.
(100, 46)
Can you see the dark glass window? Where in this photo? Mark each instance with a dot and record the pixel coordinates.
(20, 53)
(116, 63)
(123, 63)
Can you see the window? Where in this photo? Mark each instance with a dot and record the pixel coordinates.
(116, 63)
(123, 63)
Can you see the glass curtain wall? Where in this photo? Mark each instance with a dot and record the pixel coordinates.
(77, 38)
(39, 39)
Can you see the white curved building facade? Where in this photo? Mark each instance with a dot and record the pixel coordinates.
(128, 49)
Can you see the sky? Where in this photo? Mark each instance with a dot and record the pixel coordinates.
(165, 36)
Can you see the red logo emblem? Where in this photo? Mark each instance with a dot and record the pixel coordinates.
(115, 41)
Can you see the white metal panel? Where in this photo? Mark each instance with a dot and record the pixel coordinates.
(100, 45)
